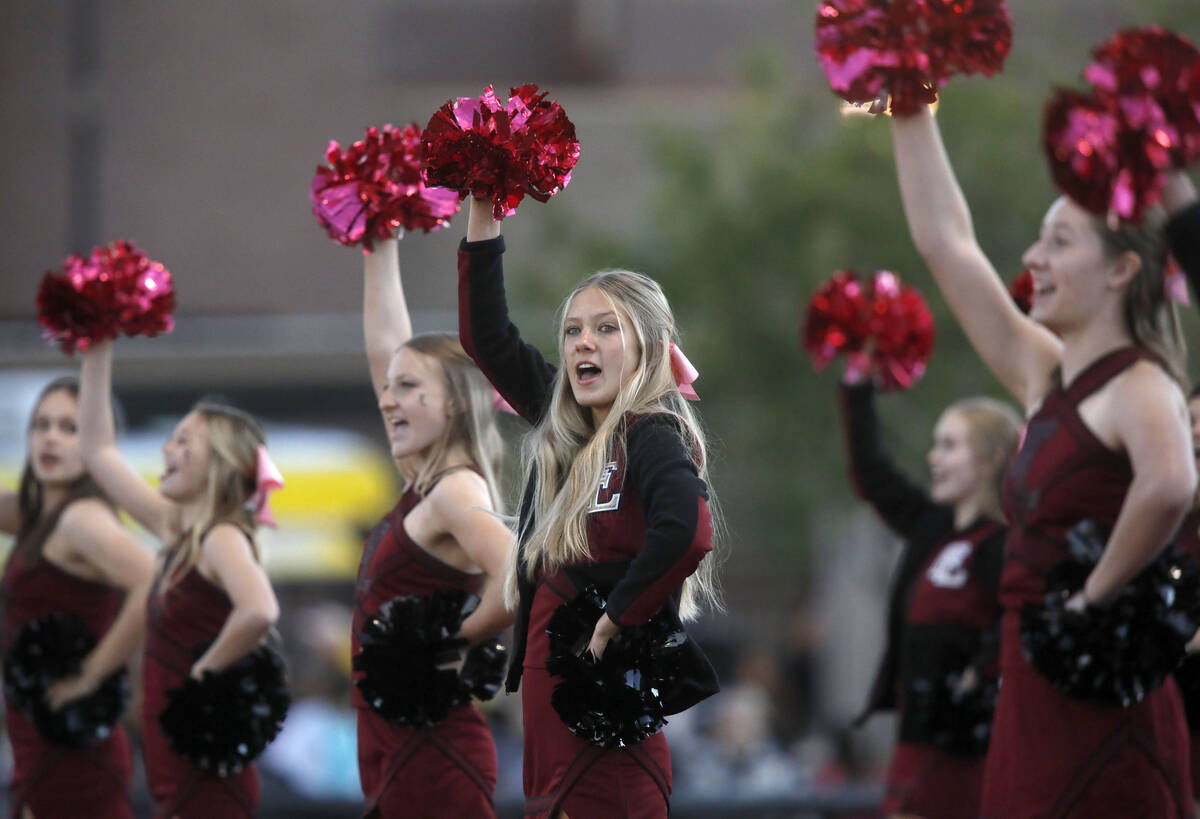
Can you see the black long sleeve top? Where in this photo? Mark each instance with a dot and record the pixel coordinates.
(943, 607)
(658, 533)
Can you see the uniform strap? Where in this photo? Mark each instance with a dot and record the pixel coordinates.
(1101, 371)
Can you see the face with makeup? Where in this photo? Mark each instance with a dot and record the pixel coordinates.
(54, 453)
(186, 459)
(599, 350)
(415, 403)
(1071, 272)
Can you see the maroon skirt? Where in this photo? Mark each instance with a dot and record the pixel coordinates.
(446, 770)
(54, 780)
(1053, 756)
(924, 781)
(565, 773)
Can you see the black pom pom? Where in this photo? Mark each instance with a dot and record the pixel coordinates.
(48, 649)
(482, 672)
(224, 720)
(937, 713)
(618, 701)
(1118, 653)
(404, 649)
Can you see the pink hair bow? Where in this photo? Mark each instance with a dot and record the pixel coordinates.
(267, 481)
(1175, 285)
(499, 404)
(684, 373)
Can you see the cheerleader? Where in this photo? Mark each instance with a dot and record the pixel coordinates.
(211, 603)
(71, 555)
(615, 496)
(944, 612)
(444, 534)
(1097, 365)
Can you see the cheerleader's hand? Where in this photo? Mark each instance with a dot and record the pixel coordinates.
(605, 630)
(968, 682)
(1193, 645)
(69, 689)
(1078, 603)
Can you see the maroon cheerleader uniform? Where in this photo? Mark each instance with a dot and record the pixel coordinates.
(942, 618)
(1051, 755)
(55, 780)
(648, 529)
(180, 625)
(448, 769)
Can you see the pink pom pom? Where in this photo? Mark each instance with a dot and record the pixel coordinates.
(1099, 159)
(375, 186)
(1155, 77)
(907, 49)
(116, 290)
(501, 152)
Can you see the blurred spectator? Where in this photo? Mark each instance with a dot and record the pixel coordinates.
(316, 752)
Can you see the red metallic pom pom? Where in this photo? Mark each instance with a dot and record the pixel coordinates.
(837, 318)
(1155, 76)
(115, 290)
(882, 325)
(1021, 290)
(376, 186)
(501, 152)
(908, 49)
(901, 327)
(1082, 136)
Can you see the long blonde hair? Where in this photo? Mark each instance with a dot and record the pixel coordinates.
(1150, 316)
(472, 424)
(993, 430)
(567, 456)
(233, 440)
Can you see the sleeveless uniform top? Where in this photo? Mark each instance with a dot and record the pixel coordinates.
(180, 625)
(1051, 755)
(393, 565)
(447, 769)
(54, 780)
(1062, 474)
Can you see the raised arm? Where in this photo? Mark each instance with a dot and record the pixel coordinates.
(386, 323)
(1151, 421)
(516, 369)
(96, 538)
(98, 441)
(226, 558)
(898, 500)
(461, 505)
(1019, 352)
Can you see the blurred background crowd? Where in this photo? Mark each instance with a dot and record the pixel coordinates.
(714, 158)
